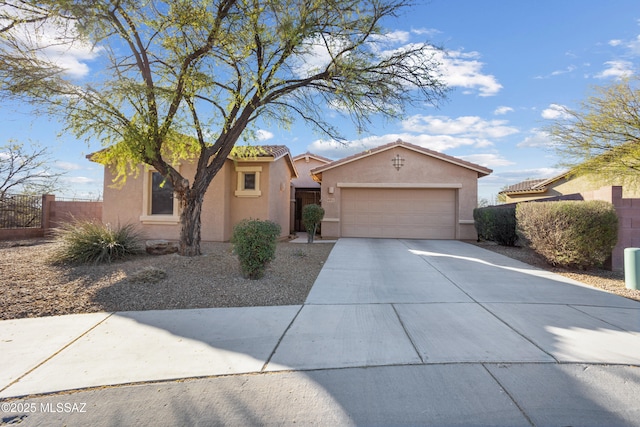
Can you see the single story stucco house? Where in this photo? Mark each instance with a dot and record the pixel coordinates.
(396, 190)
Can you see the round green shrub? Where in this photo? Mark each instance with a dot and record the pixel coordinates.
(83, 242)
(569, 233)
(497, 224)
(254, 241)
(311, 216)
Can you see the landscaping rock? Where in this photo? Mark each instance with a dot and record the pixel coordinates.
(161, 247)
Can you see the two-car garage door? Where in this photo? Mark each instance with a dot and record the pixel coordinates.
(398, 213)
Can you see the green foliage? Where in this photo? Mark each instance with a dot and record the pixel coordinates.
(254, 242)
(497, 224)
(569, 233)
(311, 216)
(602, 138)
(84, 242)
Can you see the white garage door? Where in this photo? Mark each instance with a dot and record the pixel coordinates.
(398, 213)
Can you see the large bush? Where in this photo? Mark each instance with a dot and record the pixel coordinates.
(569, 233)
(496, 223)
(254, 242)
(311, 216)
(93, 242)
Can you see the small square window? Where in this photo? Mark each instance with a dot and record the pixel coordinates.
(249, 181)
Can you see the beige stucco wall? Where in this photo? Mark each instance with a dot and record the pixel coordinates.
(304, 166)
(279, 196)
(418, 168)
(251, 207)
(221, 208)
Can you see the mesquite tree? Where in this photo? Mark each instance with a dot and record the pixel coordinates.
(185, 79)
(601, 139)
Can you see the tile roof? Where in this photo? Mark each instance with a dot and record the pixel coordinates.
(275, 151)
(482, 171)
(312, 155)
(527, 185)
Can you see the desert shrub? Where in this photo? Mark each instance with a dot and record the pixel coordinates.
(254, 242)
(496, 223)
(311, 216)
(148, 274)
(569, 233)
(84, 242)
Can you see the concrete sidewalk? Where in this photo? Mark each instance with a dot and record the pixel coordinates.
(392, 332)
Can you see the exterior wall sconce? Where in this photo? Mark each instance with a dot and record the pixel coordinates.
(331, 190)
(397, 162)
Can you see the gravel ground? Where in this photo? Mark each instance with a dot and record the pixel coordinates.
(30, 287)
(611, 281)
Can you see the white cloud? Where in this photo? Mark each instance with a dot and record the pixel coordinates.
(336, 150)
(78, 180)
(634, 45)
(537, 138)
(615, 42)
(457, 68)
(569, 69)
(393, 37)
(58, 44)
(437, 133)
(263, 135)
(616, 69)
(460, 69)
(68, 166)
(555, 111)
(469, 126)
(502, 110)
(425, 31)
(487, 160)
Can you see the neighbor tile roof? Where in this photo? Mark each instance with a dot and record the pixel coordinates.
(527, 185)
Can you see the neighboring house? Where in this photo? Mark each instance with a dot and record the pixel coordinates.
(246, 187)
(560, 185)
(626, 201)
(399, 190)
(305, 190)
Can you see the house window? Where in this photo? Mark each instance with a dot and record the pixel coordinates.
(161, 195)
(159, 206)
(248, 181)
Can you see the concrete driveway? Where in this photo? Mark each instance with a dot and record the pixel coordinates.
(393, 332)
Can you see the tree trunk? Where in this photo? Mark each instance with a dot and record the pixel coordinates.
(190, 225)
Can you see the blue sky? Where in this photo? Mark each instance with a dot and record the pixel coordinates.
(509, 65)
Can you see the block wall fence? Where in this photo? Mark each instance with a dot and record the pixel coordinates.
(54, 214)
